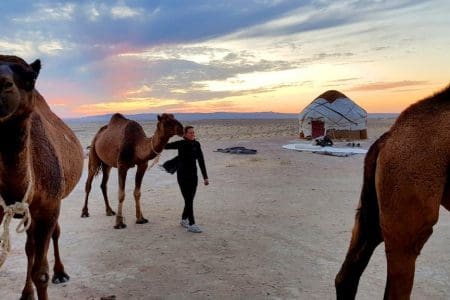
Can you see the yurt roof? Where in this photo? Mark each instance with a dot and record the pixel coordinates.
(331, 95)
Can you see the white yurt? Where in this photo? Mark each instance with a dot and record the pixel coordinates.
(335, 115)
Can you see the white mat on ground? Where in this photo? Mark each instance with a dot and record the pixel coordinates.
(320, 149)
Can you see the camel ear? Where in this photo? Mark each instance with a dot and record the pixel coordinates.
(159, 117)
(26, 77)
(36, 66)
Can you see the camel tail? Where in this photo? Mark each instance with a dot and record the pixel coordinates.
(369, 211)
(366, 234)
(95, 163)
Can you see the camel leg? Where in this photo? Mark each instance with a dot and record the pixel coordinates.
(59, 275)
(87, 189)
(122, 171)
(94, 166)
(43, 230)
(137, 194)
(106, 171)
(361, 249)
(27, 292)
(401, 261)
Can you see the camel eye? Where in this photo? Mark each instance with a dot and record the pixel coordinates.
(7, 85)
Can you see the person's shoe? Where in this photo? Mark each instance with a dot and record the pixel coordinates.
(194, 228)
(184, 223)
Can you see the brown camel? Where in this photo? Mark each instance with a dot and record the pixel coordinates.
(406, 179)
(122, 144)
(41, 161)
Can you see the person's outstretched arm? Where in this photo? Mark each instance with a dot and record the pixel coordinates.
(201, 162)
(173, 145)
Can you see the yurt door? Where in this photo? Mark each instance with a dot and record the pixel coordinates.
(317, 128)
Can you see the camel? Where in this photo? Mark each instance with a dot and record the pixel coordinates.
(122, 144)
(41, 161)
(406, 179)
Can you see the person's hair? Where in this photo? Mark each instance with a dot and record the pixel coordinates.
(187, 128)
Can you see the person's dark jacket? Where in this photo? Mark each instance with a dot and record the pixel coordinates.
(188, 153)
(171, 165)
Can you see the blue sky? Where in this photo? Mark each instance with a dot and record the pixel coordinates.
(205, 56)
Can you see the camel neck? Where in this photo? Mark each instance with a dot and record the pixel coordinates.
(150, 147)
(14, 159)
(154, 145)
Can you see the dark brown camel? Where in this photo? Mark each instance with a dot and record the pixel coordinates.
(122, 144)
(41, 161)
(406, 179)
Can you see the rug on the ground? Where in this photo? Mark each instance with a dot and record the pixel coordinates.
(237, 150)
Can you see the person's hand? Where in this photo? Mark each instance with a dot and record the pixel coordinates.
(206, 181)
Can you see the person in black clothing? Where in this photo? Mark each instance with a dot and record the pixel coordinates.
(189, 151)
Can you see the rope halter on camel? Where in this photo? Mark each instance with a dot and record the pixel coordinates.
(9, 211)
(158, 154)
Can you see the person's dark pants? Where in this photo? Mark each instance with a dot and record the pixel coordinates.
(188, 187)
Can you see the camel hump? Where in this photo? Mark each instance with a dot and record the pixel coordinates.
(118, 116)
(119, 120)
(429, 107)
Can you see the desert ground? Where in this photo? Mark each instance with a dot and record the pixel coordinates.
(276, 226)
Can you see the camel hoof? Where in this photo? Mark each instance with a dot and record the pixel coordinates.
(141, 221)
(120, 226)
(60, 278)
(119, 222)
(110, 212)
(84, 214)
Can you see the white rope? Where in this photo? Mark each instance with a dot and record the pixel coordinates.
(8, 213)
(158, 154)
(153, 148)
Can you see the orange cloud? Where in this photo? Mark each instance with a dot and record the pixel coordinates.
(387, 85)
(132, 105)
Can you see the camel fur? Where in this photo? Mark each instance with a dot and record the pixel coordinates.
(122, 144)
(406, 179)
(39, 153)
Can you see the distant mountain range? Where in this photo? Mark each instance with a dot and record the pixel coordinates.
(210, 116)
(193, 116)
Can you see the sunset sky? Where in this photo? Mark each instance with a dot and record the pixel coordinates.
(238, 56)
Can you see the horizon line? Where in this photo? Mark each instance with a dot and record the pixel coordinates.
(192, 114)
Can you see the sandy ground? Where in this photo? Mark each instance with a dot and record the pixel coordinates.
(276, 226)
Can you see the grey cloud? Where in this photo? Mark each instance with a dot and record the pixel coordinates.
(328, 14)
(200, 95)
(164, 76)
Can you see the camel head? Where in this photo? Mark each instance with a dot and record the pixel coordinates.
(17, 80)
(169, 126)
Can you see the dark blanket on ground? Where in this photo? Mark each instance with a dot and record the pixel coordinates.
(237, 150)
